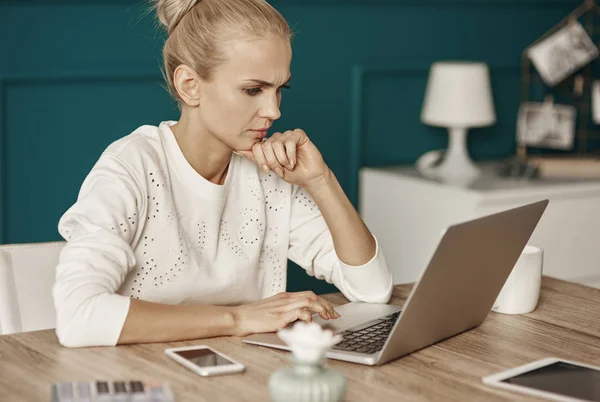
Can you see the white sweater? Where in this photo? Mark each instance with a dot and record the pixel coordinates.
(147, 225)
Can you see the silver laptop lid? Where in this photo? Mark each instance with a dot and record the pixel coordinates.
(463, 279)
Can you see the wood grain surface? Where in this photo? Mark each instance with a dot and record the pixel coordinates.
(565, 324)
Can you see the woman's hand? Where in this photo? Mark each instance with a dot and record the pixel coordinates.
(291, 155)
(275, 312)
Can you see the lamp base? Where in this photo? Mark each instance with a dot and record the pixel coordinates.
(457, 167)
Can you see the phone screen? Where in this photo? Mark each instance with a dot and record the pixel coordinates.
(204, 357)
(562, 378)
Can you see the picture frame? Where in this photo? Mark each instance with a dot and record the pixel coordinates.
(596, 101)
(546, 125)
(562, 53)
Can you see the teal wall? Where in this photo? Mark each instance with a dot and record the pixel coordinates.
(76, 75)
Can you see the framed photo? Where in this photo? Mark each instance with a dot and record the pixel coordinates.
(596, 101)
(546, 125)
(562, 53)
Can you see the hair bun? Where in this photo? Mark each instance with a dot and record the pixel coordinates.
(170, 12)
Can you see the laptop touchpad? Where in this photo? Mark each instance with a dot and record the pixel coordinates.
(355, 313)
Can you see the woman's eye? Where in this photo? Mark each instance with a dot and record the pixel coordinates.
(258, 90)
(253, 91)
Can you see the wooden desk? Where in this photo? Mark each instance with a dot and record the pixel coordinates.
(566, 324)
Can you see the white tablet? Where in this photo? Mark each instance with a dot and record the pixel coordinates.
(552, 378)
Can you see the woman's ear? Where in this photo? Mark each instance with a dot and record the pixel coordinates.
(187, 84)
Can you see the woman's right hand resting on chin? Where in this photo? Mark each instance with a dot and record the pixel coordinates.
(275, 312)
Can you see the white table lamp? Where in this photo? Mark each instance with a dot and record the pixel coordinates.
(458, 96)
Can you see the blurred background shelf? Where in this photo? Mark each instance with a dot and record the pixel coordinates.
(408, 212)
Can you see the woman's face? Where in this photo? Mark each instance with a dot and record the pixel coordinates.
(242, 99)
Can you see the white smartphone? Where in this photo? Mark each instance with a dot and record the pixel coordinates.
(204, 360)
(552, 378)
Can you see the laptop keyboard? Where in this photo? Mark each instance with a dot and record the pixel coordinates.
(369, 339)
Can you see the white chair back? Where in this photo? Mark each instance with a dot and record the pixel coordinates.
(27, 274)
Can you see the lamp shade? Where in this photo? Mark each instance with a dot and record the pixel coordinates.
(458, 94)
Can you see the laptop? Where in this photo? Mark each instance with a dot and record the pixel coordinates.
(454, 294)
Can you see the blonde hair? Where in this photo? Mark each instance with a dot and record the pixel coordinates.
(197, 28)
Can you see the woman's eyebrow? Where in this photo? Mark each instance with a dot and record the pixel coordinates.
(266, 83)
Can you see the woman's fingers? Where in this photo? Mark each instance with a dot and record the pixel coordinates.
(290, 150)
(259, 157)
(328, 306)
(312, 305)
(296, 314)
(269, 153)
(330, 311)
(277, 152)
(280, 310)
(285, 301)
(281, 154)
(309, 300)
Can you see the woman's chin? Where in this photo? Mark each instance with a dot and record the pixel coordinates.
(247, 145)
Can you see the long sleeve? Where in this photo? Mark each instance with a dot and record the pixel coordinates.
(99, 228)
(311, 246)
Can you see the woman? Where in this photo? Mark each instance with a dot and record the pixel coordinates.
(183, 231)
